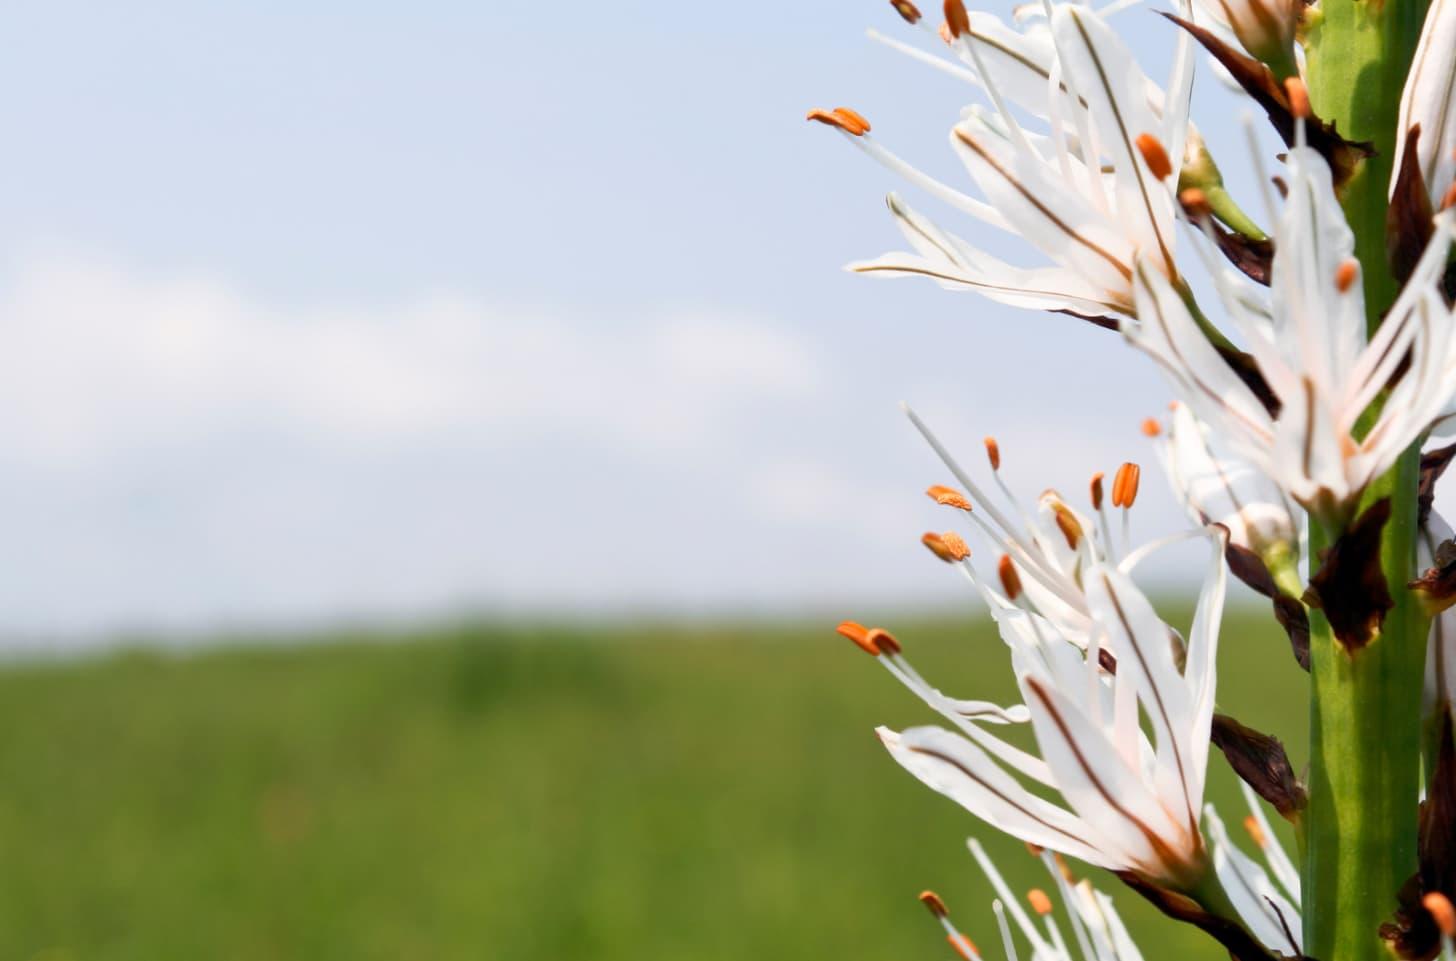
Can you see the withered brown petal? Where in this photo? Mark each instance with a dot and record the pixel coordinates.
(1350, 587)
(1254, 257)
(1240, 944)
(1260, 760)
(1250, 568)
(1292, 616)
(1408, 226)
(1433, 465)
(1258, 82)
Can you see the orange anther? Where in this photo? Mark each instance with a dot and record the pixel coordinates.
(907, 10)
(1345, 274)
(1064, 869)
(1441, 910)
(948, 496)
(963, 947)
(883, 641)
(859, 634)
(1010, 580)
(1067, 523)
(1155, 155)
(1195, 202)
(949, 547)
(842, 117)
(1125, 485)
(1256, 831)
(957, 21)
(1298, 95)
(1096, 487)
(932, 901)
(1033, 849)
(993, 453)
(1448, 199)
(1151, 427)
(853, 117)
(1039, 901)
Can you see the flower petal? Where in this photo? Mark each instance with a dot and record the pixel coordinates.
(955, 767)
(1132, 828)
(1429, 99)
(1100, 68)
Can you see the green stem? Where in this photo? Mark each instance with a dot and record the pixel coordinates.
(1365, 726)
(1358, 53)
(1365, 742)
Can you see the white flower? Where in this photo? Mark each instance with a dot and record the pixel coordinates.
(1093, 191)
(1269, 910)
(1128, 802)
(1429, 99)
(1097, 931)
(1217, 488)
(1310, 346)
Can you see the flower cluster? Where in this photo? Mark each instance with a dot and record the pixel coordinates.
(1293, 404)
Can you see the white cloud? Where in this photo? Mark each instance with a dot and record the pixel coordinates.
(101, 363)
(175, 451)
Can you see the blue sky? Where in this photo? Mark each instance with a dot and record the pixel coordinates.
(384, 310)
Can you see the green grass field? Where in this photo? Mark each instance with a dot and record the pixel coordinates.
(654, 795)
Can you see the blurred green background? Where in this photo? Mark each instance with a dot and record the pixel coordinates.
(647, 793)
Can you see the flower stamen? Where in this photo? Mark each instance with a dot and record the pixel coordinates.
(1345, 275)
(850, 121)
(1155, 155)
(1125, 485)
(948, 497)
(948, 546)
(907, 10)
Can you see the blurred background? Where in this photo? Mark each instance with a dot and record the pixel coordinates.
(436, 441)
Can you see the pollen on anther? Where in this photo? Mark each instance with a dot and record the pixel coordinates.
(1155, 155)
(907, 10)
(948, 497)
(842, 117)
(1067, 524)
(957, 21)
(1039, 901)
(1151, 427)
(1345, 275)
(882, 641)
(932, 901)
(858, 633)
(949, 546)
(1298, 95)
(993, 453)
(1440, 908)
(1256, 831)
(1096, 488)
(1448, 199)
(1125, 485)
(1010, 580)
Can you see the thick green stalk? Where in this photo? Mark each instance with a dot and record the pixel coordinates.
(1365, 740)
(1358, 53)
(1365, 733)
